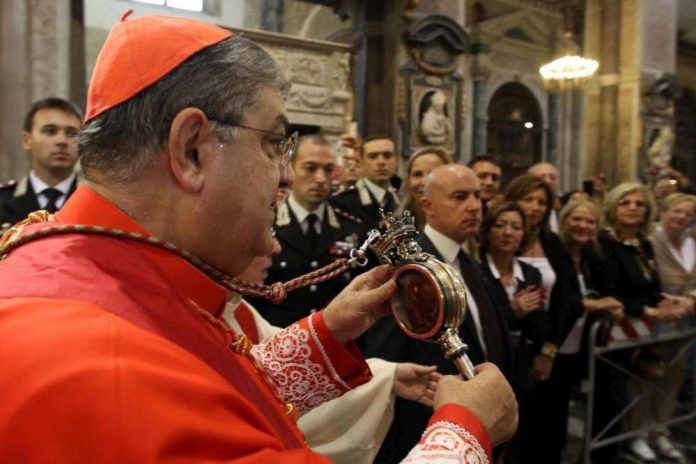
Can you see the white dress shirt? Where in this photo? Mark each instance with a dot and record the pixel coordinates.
(517, 276)
(548, 275)
(301, 214)
(449, 250)
(39, 186)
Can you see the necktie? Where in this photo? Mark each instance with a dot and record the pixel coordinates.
(53, 195)
(311, 233)
(492, 335)
(389, 203)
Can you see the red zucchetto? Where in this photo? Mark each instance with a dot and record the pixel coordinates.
(139, 52)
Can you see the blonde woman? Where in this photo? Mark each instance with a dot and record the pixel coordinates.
(578, 227)
(675, 253)
(628, 273)
(546, 253)
(419, 166)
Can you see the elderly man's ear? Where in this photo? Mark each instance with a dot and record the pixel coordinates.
(188, 148)
(426, 204)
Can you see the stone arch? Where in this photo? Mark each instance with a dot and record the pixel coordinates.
(535, 86)
(321, 23)
(515, 130)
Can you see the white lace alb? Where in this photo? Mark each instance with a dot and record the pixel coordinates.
(445, 442)
(287, 358)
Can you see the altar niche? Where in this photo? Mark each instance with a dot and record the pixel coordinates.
(432, 102)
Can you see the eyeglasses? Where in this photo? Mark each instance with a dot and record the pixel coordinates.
(284, 146)
(637, 203)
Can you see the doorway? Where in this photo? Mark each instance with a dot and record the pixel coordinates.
(515, 129)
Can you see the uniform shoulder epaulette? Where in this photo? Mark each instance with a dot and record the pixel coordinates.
(282, 218)
(343, 214)
(10, 184)
(344, 191)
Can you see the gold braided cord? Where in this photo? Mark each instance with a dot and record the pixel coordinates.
(276, 292)
(242, 345)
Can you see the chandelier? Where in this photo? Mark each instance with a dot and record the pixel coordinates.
(569, 70)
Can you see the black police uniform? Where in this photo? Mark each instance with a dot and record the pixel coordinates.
(18, 199)
(360, 202)
(339, 233)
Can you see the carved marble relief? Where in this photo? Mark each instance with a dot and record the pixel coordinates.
(318, 73)
(432, 104)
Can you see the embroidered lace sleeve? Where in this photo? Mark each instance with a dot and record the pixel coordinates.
(453, 436)
(308, 366)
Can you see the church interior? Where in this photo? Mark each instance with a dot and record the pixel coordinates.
(602, 90)
(372, 63)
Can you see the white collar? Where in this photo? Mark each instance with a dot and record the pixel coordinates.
(301, 213)
(448, 248)
(516, 269)
(661, 232)
(375, 189)
(39, 186)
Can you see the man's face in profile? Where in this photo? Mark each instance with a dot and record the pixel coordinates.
(243, 179)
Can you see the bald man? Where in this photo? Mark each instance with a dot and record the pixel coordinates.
(548, 173)
(453, 216)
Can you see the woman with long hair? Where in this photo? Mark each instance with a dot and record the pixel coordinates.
(563, 306)
(419, 166)
(516, 289)
(578, 228)
(675, 254)
(628, 273)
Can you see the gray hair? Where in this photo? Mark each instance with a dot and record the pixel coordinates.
(222, 80)
(611, 204)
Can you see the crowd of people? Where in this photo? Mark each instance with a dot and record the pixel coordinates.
(539, 268)
(122, 350)
(122, 332)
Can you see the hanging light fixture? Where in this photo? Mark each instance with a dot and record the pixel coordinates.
(569, 67)
(569, 70)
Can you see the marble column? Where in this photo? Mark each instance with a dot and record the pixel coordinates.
(15, 94)
(553, 145)
(634, 42)
(368, 68)
(480, 120)
(42, 55)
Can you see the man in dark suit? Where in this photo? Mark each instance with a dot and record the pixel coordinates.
(50, 130)
(374, 190)
(488, 171)
(311, 233)
(453, 212)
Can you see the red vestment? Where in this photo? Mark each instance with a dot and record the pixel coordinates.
(107, 358)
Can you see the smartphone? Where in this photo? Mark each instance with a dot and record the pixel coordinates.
(588, 187)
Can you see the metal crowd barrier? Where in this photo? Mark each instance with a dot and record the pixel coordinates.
(599, 353)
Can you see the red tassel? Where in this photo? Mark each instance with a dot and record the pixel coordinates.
(126, 14)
